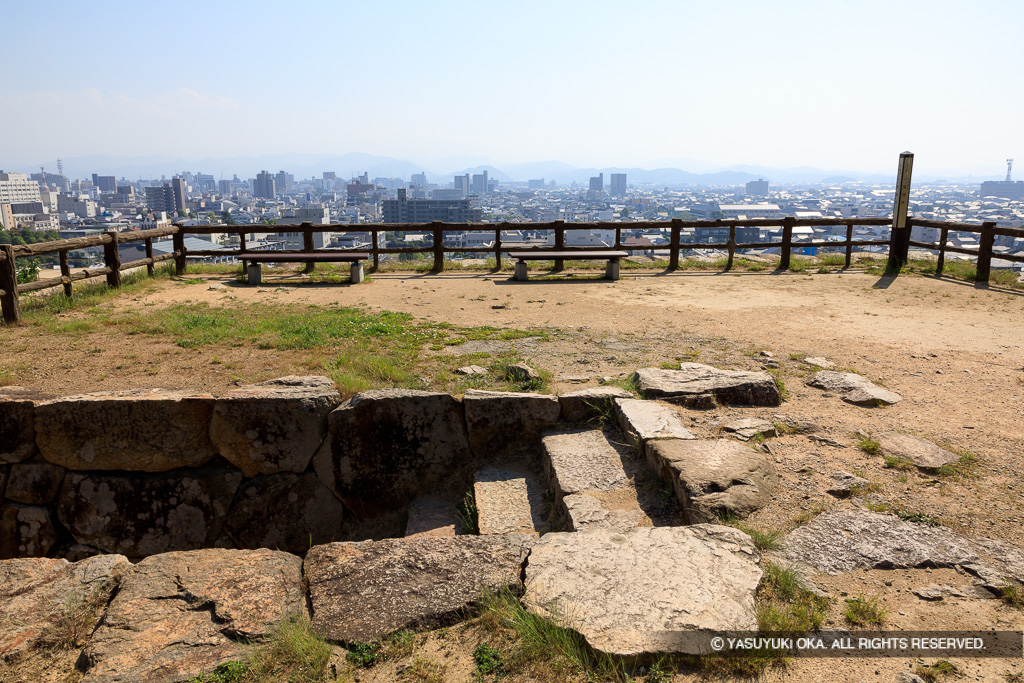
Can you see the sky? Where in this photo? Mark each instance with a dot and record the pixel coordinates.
(783, 83)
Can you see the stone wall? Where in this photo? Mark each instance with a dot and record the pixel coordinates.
(283, 464)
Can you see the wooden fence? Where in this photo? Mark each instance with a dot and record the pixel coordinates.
(898, 243)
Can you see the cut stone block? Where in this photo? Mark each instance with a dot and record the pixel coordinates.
(645, 420)
(695, 379)
(432, 516)
(648, 590)
(33, 483)
(712, 478)
(921, 452)
(141, 430)
(596, 511)
(582, 461)
(17, 423)
(508, 425)
(26, 531)
(273, 426)
(387, 446)
(747, 428)
(181, 614)
(508, 500)
(363, 591)
(587, 404)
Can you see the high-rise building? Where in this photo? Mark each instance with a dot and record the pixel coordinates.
(224, 187)
(178, 193)
(462, 183)
(263, 186)
(16, 187)
(478, 185)
(403, 210)
(419, 179)
(160, 198)
(757, 188)
(105, 183)
(618, 185)
(283, 182)
(1000, 188)
(537, 184)
(597, 183)
(330, 175)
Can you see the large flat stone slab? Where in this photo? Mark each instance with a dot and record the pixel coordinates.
(582, 461)
(26, 531)
(921, 452)
(644, 591)
(273, 426)
(386, 446)
(363, 591)
(140, 430)
(712, 478)
(285, 512)
(17, 423)
(144, 514)
(853, 388)
(695, 379)
(844, 541)
(33, 483)
(508, 425)
(180, 614)
(509, 499)
(35, 594)
(645, 420)
(587, 404)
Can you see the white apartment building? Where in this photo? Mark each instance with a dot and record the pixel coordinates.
(16, 188)
(748, 211)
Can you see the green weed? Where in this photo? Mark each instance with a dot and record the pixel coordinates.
(861, 611)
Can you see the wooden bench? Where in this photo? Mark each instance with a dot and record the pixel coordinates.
(255, 258)
(611, 270)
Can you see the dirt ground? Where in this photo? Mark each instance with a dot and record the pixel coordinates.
(951, 349)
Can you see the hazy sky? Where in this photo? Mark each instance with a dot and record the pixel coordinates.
(628, 83)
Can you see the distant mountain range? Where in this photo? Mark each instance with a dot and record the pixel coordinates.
(441, 171)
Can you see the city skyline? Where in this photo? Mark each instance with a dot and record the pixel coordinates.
(695, 86)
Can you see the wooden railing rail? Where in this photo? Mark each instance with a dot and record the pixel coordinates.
(112, 268)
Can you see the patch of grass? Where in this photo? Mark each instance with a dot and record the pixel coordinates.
(861, 611)
(400, 645)
(76, 622)
(1013, 677)
(783, 391)
(869, 445)
(763, 540)
(865, 489)
(502, 367)
(938, 671)
(423, 671)
(1012, 594)
(543, 643)
(293, 652)
(489, 660)
(364, 655)
(966, 467)
(807, 515)
(669, 365)
(467, 515)
(898, 464)
(832, 259)
(799, 265)
(785, 605)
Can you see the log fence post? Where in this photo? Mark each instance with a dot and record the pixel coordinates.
(438, 246)
(497, 246)
(150, 268)
(112, 259)
(65, 273)
(731, 246)
(559, 244)
(673, 244)
(787, 242)
(9, 284)
(178, 244)
(943, 236)
(985, 244)
(307, 245)
(376, 250)
(849, 243)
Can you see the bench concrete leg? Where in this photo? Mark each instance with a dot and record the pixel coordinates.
(357, 272)
(611, 271)
(255, 273)
(520, 273)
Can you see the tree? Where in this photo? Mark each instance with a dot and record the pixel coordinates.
(227, 217)
(717, 214)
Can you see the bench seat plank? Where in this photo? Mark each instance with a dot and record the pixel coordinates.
(294, 257)
(544, 255)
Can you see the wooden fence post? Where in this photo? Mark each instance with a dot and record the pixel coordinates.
(9, 284)
(849, 244)
(65, 272)
(731, 246)
(943, 236)
(497, 246)
(376, 250)
(112, 259)
(178, 244)
(559, 243)
(673, 244)
(985, 244)
(899, 241)
(438, 247)
(150, 268)
(618, 238)
(787, 241)
(307, 245)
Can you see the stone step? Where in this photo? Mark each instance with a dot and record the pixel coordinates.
(432, 516)
(644, 420)
(509, 499)
(589, 483)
